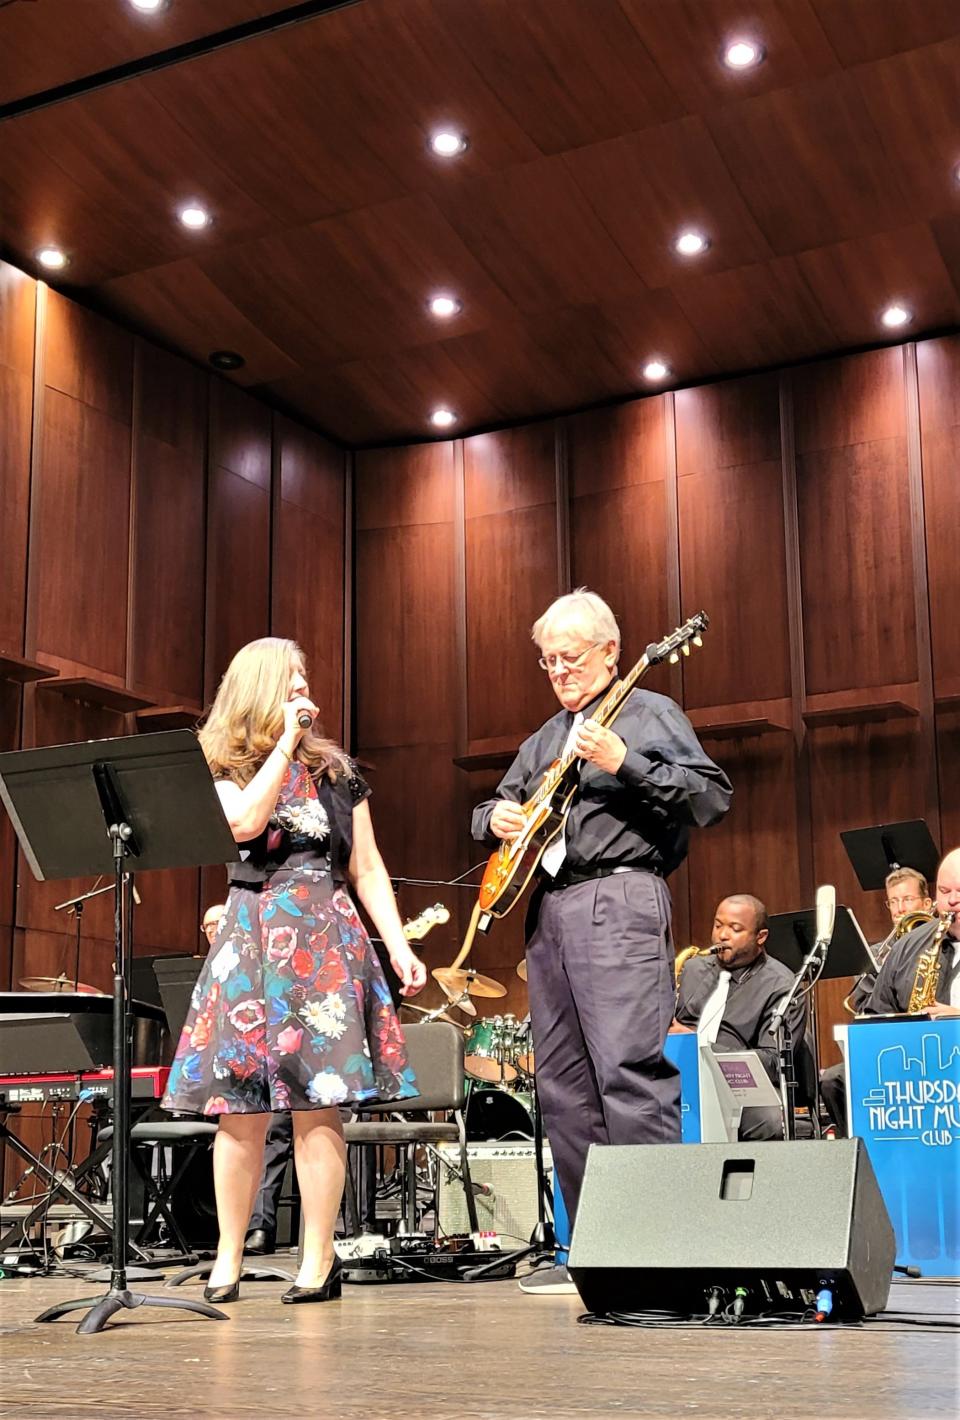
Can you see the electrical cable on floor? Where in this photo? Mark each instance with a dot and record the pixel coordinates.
(783, 1321)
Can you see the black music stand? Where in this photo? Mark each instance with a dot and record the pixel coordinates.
(875, 852)
(105, 806)
(792, 934)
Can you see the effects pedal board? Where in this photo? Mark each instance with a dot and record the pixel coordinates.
(416, 1258)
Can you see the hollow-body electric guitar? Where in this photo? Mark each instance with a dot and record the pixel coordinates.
(511, 867)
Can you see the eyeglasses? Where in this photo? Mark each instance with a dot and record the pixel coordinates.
(569, 663)
(894, 902)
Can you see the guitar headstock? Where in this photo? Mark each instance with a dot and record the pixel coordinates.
(418, 927)
(679, 641)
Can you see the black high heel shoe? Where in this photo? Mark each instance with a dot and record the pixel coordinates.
(229, 1293)
(328, 1292)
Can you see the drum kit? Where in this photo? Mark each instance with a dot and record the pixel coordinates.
(498, 1054)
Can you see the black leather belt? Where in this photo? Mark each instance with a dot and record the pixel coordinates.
(571, 877)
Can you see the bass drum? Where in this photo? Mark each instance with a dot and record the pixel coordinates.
(499, 1114)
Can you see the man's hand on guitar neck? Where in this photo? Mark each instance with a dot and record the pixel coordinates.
(507, 819)
(600, 746)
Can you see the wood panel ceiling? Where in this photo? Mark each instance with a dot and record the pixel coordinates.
(826, 179)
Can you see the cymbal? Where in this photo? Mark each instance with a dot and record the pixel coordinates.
(423, 1011)
(59, 983)
(522, 969)
(469, 981)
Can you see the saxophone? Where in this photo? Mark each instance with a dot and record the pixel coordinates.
(924, 992)
(900, 928)
(680, 962)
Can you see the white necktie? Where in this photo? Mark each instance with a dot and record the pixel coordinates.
(712, 1014)
(556, 851)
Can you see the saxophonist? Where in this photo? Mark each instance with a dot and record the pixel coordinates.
(729, 996)
(922, 972)
(909, 903)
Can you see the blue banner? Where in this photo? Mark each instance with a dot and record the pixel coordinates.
(681, 1050)
(904, 1093)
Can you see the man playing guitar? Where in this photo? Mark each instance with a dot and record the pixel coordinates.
(600, 958)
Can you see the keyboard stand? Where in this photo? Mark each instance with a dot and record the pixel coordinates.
(59, 1184)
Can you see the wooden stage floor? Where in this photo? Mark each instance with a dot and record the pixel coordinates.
(483, 1352)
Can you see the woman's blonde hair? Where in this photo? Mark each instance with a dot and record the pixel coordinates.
(246, 718)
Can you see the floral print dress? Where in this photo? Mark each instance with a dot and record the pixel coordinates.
(291, 1009)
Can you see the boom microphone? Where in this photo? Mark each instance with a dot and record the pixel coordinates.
(826, 912)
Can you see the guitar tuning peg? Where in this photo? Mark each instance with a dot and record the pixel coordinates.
(686, 648)
(698, 640)
(674, 658)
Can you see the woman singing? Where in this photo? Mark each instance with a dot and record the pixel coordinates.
(291, 1010)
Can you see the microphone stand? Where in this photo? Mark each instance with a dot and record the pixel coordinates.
(816, 956)
(76, 905)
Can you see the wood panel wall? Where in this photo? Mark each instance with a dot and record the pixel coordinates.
(811, 513)
(154, 518)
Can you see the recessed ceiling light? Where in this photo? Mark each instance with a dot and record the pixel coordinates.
(448, 143)
(445, 306)
(443, 418)
(894, 316)
(149, 7)
(194, 216)
(742, 54)
(656, 370)
(52, 258)
(691, 243)
(226, 360)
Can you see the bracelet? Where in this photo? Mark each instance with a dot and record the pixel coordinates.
(287, 757)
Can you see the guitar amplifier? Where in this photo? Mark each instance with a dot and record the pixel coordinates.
(509, 1172)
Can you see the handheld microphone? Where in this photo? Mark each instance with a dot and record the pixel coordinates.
(304, 719)
(826, 913)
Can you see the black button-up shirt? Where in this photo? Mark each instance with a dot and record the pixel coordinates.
(639, 817)
(755, 992)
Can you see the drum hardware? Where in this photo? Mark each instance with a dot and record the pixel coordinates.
(455, 982)
(461, 1001)
(438, 1013)
(526, 1062)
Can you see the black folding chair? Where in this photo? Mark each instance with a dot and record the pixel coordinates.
(435, 1050)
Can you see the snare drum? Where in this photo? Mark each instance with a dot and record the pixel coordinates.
(490, 1049)
(499, 1114)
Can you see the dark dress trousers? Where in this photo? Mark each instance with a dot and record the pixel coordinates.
(600, 953)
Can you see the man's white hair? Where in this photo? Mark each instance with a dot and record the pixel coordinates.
(583, 611)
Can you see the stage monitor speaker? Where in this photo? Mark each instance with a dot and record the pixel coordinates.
(661, 1225)
(506, 1195)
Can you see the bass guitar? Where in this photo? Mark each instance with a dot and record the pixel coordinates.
(511, 867)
